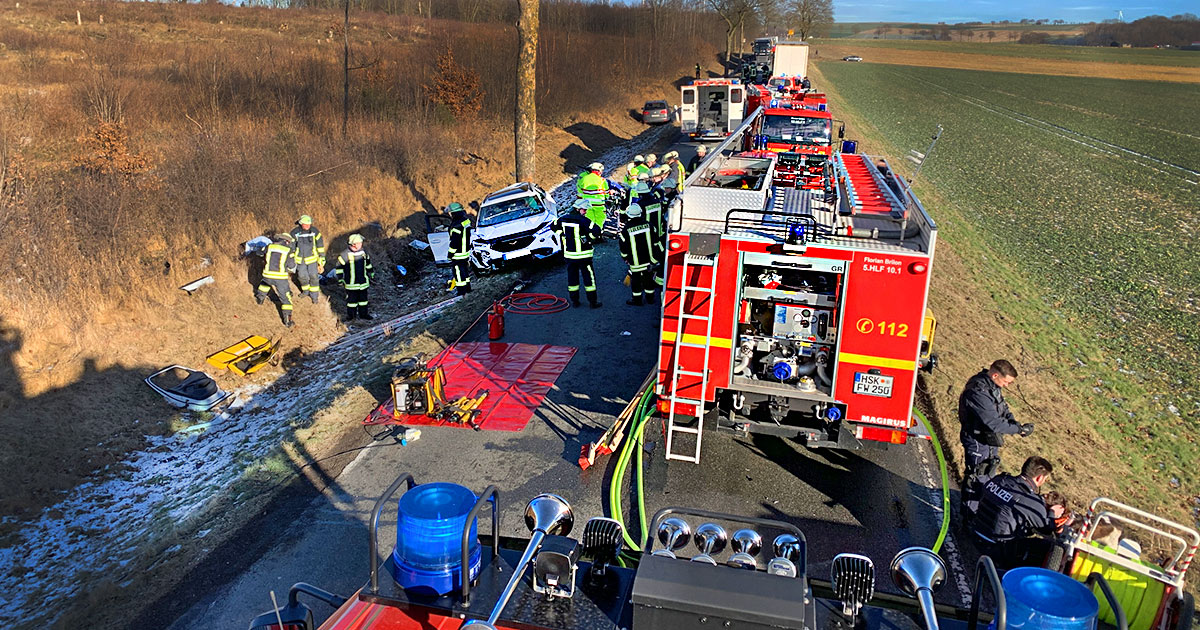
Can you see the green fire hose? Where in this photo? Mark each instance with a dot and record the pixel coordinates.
(937, 449)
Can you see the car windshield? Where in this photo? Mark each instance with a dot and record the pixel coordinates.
(509, 210)
(798, 129)
(779, 82)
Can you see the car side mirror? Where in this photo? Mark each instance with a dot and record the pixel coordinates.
(474, 205)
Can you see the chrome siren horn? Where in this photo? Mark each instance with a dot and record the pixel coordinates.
(545, 514)
(674, 534)
(745, 544)
(789, 552)
(919, 572)
(710, 539)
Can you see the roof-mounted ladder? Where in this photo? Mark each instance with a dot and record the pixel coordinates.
(691, 261)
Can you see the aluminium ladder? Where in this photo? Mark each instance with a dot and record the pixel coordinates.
(691, 261)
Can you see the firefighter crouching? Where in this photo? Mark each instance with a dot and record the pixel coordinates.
(1013, 518)
(460, 248)
(354, 272)
(310, 257)
(637, 249)
(577, 234)
(280, 262)
(593, 187)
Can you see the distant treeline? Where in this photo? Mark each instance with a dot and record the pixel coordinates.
(1156, 30)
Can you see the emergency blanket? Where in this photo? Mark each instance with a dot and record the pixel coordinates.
(517, 377)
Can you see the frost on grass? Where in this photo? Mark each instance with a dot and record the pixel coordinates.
(103, 527)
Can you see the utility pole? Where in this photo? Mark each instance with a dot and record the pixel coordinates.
(346, 71)
(525, 125)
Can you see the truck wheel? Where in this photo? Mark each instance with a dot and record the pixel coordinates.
(1056, 558)
(1185, 611)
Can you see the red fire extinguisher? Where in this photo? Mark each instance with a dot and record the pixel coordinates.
(495, 318)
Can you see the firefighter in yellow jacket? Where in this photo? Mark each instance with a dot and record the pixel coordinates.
(280, 262)
(310, 257)
(593, 187)
(460, 247)
(354, 271)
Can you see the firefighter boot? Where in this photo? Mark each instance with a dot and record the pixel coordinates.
(287, 319)
(351, 313)
(260, 298)
(650, 298)
(575, 297)
(634, 301)
(463, 289)
(363, 314)
(316, 297)
(593, 301)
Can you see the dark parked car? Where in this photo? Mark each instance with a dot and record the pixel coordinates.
(656, 112)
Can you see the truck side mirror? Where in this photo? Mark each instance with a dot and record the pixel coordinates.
(842, 131)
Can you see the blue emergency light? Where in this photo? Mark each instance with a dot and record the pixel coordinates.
(428, 554)
(796, 233)
(1039, 599)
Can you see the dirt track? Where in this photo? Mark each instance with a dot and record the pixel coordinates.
(1027, 65)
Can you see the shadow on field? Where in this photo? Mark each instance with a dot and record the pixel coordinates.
(595, 140)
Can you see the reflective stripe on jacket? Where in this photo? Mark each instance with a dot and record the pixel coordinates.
(354, 269)
(281, 260)
(592, 187)
(637, 244)
(460, 240)
(310, 245)
(576, 234)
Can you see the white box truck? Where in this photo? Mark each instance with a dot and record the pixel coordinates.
(791, 59)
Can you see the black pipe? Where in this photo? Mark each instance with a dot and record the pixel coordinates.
(853, 232)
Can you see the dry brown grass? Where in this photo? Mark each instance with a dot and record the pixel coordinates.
(1027, 65)
(137, 155)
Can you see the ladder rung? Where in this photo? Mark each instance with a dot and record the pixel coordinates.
(688, 287)
(686, 401)
(693, 259)
(688, 316)
(683, 458)
(691, 430)
(690, 373)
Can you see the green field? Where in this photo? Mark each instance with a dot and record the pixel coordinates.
(1043, 168)
(1147, 56)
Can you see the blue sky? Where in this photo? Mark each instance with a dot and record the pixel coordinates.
(951, 11)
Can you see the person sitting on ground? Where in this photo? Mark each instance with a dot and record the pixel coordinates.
(1013, 518)
(1056, 498)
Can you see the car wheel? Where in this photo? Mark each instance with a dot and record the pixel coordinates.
(1185, 612)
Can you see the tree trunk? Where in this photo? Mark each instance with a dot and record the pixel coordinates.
(346, 71)
(525, 127)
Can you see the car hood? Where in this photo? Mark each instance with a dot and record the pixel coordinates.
(508, 228)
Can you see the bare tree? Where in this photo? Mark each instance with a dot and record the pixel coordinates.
(734, 13)
(525, 126)
(811, 17)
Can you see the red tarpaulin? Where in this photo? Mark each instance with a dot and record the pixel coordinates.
(517, 377)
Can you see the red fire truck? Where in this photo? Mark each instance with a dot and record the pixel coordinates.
(789, 311)
(797, 125)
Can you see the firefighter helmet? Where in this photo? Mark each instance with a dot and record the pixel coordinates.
(633, 211)
(355, 239)
(304, 220)
(596, 166)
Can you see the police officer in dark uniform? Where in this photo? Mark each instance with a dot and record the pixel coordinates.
(577, 234)
(1012, 517)
(986, 419)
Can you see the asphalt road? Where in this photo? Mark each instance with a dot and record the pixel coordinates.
(874, 501)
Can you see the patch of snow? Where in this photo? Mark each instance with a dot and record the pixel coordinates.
(101, 527)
